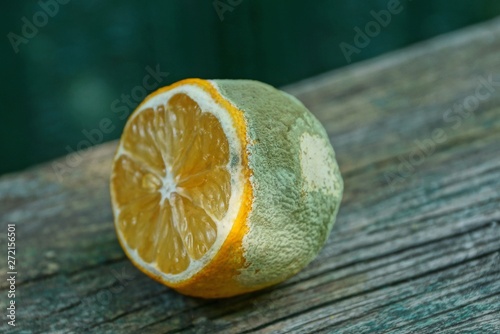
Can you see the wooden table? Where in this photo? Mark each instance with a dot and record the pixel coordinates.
(416, 247)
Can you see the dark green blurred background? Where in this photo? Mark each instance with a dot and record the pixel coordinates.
(65, 78)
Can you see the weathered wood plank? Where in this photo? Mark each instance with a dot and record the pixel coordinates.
(415, 249)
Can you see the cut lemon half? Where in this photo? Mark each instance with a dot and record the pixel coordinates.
(221, 187)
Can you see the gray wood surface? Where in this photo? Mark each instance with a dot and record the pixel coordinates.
(416, 247)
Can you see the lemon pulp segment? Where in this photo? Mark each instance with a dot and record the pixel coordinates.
(171, 196)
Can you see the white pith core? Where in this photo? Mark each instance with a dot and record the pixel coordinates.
(168, 186)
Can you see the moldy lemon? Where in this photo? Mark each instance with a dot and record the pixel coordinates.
(221, 187)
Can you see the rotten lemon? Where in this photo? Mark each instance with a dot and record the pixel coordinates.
(222, 187)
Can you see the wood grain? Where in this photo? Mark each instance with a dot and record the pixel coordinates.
(416, 247)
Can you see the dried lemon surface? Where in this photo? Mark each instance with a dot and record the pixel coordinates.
(221, 187)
